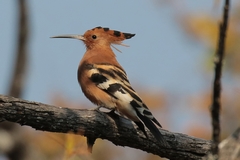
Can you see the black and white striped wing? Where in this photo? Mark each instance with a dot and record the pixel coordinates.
(114, 81)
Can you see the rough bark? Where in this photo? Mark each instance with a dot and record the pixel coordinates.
(95, 124)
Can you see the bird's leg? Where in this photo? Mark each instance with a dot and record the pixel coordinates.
(113, 114)
(112, 111)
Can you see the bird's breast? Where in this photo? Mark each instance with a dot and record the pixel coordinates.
(91, 91)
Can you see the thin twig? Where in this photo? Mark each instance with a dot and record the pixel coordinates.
(216, 105)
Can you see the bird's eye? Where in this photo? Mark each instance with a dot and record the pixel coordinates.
(94, 36)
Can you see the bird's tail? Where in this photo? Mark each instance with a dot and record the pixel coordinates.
(153, 129)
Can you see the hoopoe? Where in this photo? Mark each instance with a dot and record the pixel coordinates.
(104, 82)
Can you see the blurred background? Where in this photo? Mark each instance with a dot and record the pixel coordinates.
(169, 63)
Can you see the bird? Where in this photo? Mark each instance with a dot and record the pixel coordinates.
(105, 83)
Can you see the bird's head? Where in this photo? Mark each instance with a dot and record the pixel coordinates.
(100, 37)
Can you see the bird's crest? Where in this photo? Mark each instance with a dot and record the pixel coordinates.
(105, 36)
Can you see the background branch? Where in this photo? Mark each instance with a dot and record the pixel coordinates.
(216, 104)
(19, 73)
(18, 151)
(93, 124)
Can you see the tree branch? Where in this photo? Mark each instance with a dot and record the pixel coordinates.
(216, 104)
(95, 124)
(19, 74)
(18, 150)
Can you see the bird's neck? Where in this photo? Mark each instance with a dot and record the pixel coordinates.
(101, 51)
(100, 55)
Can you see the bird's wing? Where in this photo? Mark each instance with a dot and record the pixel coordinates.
(114, 82)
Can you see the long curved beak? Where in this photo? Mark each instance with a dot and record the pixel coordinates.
(80, 37)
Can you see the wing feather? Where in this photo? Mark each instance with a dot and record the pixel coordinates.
(114, 82)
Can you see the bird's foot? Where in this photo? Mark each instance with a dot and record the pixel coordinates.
(96, 109)
(111, 112)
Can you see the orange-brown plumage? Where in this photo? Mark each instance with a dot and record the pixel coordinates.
(99, 51)
(104, 81)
